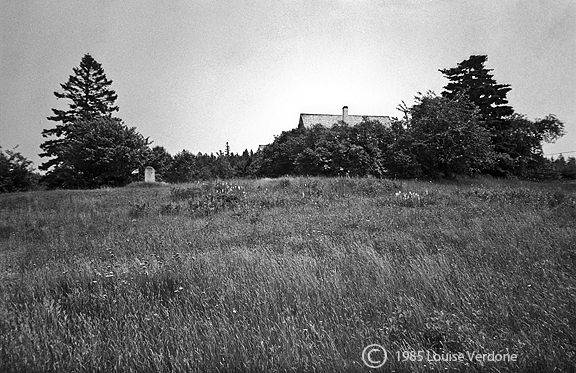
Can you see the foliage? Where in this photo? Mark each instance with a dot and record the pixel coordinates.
(242, 164)
(517, 140)
(90, 93)
(469, 129)
(186, 167)
(472, 79)
(548, 169)
(337, 151)
(566, 168)
(440, 136)
(91, 98)
(16, 173)
(447, 137)
(522, 141)
(222, 168)
(101, 152)
(91, 148)
(161, 161)
(278, 159)
(183, 168)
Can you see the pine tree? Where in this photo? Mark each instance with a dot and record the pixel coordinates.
(89, 91)
(517, 141)
(91, 96)
(474, 80)
(91, 99)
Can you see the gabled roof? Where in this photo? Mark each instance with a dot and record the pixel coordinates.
(327, 120)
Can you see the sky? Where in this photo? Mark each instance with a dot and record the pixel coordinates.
(196, 74)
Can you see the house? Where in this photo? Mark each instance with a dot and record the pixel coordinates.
(327, 120)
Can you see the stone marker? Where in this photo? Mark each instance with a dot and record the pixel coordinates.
(149, 175)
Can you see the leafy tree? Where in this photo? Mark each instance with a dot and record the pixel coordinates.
(373, 138)
(188, 167)
(16, 173)
(101, 152)
(520, 146)
(222, 168)
(397, 156)
(242, 163)
(183, 168)
(161, 160)
(313, 161)
(278, 159)
(205, 168)
(542, 169)
(569, 170)
(336, 151)
(91, 98)
(517, 141)
(446, 136)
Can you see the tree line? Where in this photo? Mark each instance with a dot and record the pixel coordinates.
(468, 129)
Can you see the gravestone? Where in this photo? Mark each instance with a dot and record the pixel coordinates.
(149, 175)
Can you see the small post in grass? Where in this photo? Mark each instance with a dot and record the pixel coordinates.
(149, 175)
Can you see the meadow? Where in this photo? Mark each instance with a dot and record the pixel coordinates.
(289, 275)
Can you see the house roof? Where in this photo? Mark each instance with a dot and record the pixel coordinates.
(327, 120)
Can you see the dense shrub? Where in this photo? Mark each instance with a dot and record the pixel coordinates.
(16, 173)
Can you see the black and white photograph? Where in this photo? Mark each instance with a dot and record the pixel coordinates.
(288, 186)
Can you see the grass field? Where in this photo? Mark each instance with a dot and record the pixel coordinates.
(289, 275)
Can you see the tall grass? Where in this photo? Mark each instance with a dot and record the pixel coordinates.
(288, 275)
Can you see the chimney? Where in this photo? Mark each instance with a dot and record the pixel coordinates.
(345, 114)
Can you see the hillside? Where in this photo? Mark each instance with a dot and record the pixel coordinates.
(289, 275)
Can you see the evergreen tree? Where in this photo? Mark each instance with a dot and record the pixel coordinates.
(474, 80)
(102, 152)
(517, 141)
(91, 98)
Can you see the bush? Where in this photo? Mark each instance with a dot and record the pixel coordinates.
(16, 173)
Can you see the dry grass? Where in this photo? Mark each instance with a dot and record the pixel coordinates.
(287, 275)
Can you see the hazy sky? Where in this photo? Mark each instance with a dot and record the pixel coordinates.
(195, 74)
